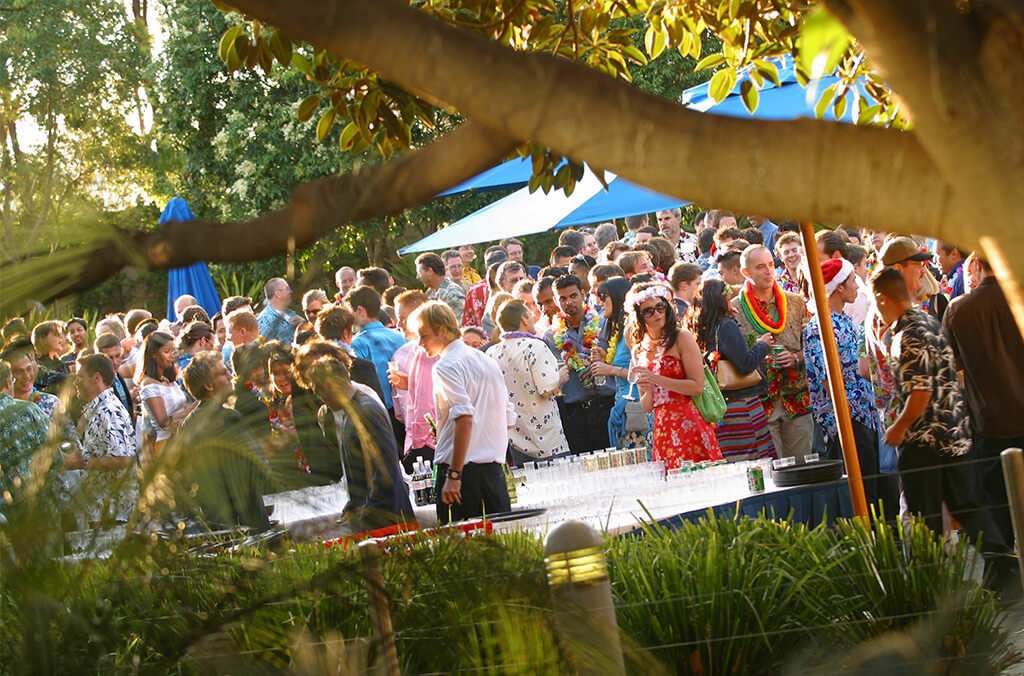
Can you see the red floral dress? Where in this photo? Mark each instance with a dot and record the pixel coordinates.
(680, 433)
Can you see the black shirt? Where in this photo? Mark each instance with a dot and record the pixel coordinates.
(987, 343)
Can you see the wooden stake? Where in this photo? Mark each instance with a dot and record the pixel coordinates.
(836, 385)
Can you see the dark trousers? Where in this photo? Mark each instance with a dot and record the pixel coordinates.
(399, 429)
(867, 452)
(991, 482)
(585, 424)
(414, 454)
(484, 491)
(929, 480)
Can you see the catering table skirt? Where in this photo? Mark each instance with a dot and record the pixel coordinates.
(810, 505)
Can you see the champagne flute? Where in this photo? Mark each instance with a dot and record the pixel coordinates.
(631, 376)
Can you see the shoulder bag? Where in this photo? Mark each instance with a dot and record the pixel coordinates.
(710, 402)
(731, 379)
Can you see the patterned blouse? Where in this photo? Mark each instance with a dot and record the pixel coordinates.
(109, 432)
(922, 359)
(530, 369)
(858, 389)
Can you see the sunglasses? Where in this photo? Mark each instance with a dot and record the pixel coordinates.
(649, 312)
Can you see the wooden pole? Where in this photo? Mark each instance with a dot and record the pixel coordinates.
(836, 385)
(380, 616)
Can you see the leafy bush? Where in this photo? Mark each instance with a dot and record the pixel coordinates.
(750, 597)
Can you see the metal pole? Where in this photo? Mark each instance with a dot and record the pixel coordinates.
(582, 596)
(380, 617)
(1013, 474)
(835, 373)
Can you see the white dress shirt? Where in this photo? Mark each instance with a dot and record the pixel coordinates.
(468, 382)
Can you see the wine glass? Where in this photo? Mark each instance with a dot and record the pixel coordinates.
(631, 376)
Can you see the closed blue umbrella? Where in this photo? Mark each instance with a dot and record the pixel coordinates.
(194, 279)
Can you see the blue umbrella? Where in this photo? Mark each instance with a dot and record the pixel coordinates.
(526, 213)
(788, 101)
(194, 279)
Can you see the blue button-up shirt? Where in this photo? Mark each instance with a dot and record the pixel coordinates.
(378, 344)
(274, 325)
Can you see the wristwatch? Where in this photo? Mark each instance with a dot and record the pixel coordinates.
(454, 475)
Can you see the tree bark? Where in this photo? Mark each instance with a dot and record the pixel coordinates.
(313, 210)
(959, 75)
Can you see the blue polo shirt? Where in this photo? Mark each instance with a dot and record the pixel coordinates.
(378, 343)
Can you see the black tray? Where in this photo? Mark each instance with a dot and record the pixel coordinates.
(810, 473)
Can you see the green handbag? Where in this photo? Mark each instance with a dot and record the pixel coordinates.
(710, 402)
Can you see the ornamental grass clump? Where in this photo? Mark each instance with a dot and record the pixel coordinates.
(755, 596)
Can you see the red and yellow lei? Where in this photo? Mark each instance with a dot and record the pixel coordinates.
(591, 329)
(757, 312)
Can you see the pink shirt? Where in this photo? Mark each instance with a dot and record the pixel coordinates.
(419, 398)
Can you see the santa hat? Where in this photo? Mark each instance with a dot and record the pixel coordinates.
(835, 271)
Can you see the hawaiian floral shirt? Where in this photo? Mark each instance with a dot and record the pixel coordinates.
(786, 280)
(109, 432)
(22, 430)
(922, 359)
(476, 303)
(877, 339)
(452, 295)
(858, 390)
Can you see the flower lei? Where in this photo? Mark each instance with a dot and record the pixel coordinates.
(509, 335)
(591, 327)
(756, 311)
(613, 343)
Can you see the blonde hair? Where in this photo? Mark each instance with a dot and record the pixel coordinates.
(439, 317)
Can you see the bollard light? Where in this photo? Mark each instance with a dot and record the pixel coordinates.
(582, 597)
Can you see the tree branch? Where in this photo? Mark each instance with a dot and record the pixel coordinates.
(808, 169)
(314, 209)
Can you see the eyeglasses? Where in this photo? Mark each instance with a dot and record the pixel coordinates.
(658, 309)
(312, 312)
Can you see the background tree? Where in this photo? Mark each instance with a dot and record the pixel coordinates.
(70, 73)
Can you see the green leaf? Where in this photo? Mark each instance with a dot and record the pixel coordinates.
(722, 83)
(301, 64)
(839, 107)
(324, 125)
(750, 95)
(348, 136)
(710, 61)
(654, 40)
(307, 107)
(824, 101)
(226, 41)
(281, 48)
(867, 116)
(768, 70)
(823, 41)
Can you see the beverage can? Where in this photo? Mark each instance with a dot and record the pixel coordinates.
(755, 479)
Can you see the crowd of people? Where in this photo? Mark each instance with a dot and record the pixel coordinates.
(605, 345)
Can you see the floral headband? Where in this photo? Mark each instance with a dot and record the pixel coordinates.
(634, 298)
